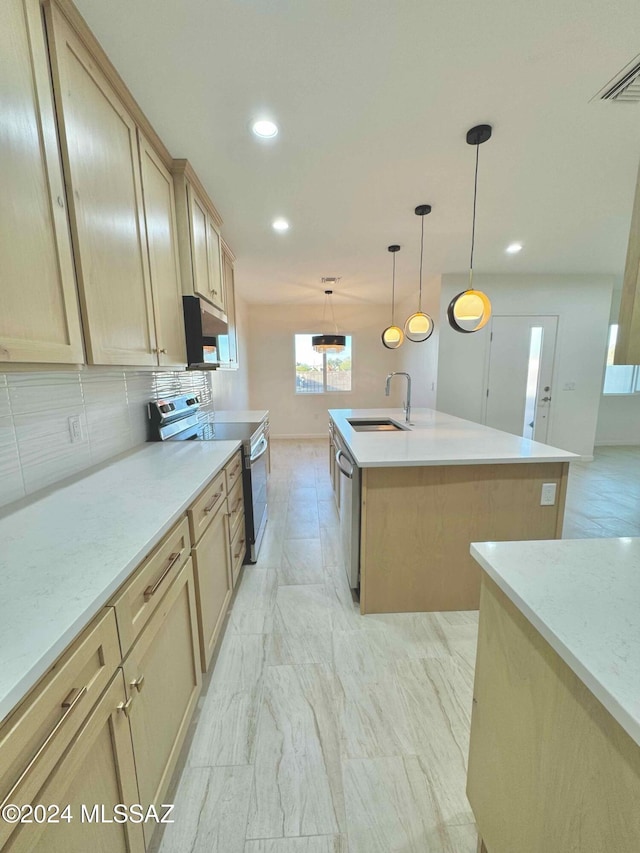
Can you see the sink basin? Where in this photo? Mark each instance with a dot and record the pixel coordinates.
(375, 425)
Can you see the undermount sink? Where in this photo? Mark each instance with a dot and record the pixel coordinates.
(375, 425)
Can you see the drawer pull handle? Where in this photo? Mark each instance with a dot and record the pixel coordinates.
(234, 472)
(125, 707)
(138, 683)
(238, 502)
(215, 500)
(151, 590)
(236, 555)
(69, 705)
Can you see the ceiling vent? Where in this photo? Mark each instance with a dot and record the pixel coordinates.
(625, 86)
(332, 279)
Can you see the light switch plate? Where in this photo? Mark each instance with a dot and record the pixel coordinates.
(548, 496)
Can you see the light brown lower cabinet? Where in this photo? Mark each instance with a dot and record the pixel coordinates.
(162, 674)
(97, 768)
(214, 583)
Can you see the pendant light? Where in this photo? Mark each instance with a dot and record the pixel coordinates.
(329, 342)
(419, 326)
(470, 310)
(393, 336)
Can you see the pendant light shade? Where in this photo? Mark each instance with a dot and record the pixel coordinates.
(393, 336)
(470, 310)
(419, 326)
(332, 342)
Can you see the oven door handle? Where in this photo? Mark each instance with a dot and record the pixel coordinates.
(255, 456)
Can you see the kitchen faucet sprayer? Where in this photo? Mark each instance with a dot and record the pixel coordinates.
(406, 406)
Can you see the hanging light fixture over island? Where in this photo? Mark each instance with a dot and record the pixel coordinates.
(393, 336)
(470, 310)
(419, 326)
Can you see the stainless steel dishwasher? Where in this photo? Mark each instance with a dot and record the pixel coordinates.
(349, 509)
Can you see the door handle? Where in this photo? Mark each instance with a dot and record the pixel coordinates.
(545, 400)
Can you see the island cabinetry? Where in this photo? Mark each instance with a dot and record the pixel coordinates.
(39, 316)
(417, 524)
(104, 188)
(199, 238)
(162, 674)
(549, 768)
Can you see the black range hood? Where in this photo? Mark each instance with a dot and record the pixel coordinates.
(202, 325)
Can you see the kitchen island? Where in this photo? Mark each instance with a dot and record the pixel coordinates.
(554, 760)
(428, 491)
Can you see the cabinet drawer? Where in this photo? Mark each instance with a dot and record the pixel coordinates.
(238, 550)
(233, 471)
(34, 737)
(205, 508)
(236, 508)
(139, 597)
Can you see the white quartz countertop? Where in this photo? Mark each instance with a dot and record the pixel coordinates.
(435, 438)
(240, 416)
(62, 557)
(583, 596)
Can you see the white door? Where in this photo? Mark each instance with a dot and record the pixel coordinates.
(519, 384)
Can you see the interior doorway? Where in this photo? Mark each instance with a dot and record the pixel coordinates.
(519, 391)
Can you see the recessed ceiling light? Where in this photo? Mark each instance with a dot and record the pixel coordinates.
(513, 248)
(280, 225)
(265, 129)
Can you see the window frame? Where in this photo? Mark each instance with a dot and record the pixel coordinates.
(325, 355)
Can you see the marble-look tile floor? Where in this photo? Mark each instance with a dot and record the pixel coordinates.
(322, 731)
(603, 496)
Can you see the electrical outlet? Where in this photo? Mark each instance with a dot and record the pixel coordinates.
(75, 429)
(548, 496)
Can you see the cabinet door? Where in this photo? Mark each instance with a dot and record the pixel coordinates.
(214, 248)
(98, 768)
(162, 673)
(213, 582)
(39, 317)
(100, 155)
(162, 240)
(228, 344)
(199, 244)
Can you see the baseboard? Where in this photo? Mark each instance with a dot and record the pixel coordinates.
(617, 443)
(308, 435)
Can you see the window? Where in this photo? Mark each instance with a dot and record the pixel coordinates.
(321, 373)
(619, 378)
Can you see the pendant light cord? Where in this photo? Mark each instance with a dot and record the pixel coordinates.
(473, 225)
(333, 314)
(421, 254)
(393, 292)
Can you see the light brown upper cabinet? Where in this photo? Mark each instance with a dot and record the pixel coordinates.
(628, 343)
(39, 317)
(198, 238)
(164, 264)
(102, 171)
(228, 344)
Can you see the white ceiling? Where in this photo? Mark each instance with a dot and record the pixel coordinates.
(373, 99)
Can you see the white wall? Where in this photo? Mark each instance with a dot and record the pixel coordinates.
(272, 364)
(420, 360)
(231, 387)
(619, 416)
(582, 304)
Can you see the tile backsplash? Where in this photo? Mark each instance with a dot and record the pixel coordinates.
(35, 441)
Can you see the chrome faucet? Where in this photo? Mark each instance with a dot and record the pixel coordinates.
(406, 406)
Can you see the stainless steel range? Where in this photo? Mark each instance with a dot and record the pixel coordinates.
(179, 419)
